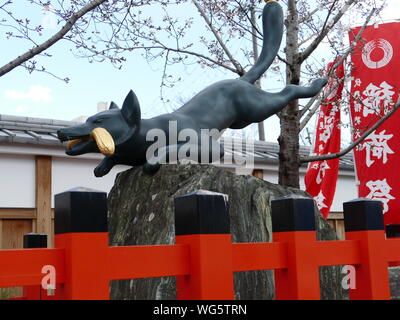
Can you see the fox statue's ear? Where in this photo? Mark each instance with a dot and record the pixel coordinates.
(113, 105)
(131, 109)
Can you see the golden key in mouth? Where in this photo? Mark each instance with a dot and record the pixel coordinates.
(103, 139)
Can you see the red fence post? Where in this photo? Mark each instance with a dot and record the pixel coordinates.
(81, 229)
(393, 231)
(364, 222)
(202, 222)
(34, 241)
(293, 223)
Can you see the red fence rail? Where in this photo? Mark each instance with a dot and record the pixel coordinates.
(203, 258)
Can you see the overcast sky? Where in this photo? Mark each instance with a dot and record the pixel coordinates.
(40, 95)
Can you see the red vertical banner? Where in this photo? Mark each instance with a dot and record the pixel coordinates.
(321, 176)
(374, 90)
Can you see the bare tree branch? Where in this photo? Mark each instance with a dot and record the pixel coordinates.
(254, 29)
(310, 14)
(355, 143)
(334, 67)
(55, 38)
(325, 30)
(280, 58)
(317, 105)
(183, 51)
(238, 67)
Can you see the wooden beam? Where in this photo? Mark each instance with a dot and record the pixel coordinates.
(43, 196)
(17, 213)
(336, 216)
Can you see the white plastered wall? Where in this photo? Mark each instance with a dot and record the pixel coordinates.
(68, 173)
(17, 175)
(17, 181)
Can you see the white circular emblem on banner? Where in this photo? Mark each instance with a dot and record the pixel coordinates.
(382, 44)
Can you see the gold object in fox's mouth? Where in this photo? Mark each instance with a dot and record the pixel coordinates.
(104, 141)
(71, 143)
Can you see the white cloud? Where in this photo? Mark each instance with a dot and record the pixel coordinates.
(35, 93)
(21, 109)
(391, 12)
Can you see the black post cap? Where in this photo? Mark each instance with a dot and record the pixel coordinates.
(292, 213)
(202, 212)
(80, 210)
(35, 240)
(393, 230)
(363, 215)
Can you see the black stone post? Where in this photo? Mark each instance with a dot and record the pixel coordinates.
(393, 231)
(81, 229)
(80, 210)
(293, 223)
(35, 240)
(202, 212)
(202, 223)
(292, 213)
(363, 215)
(363, 221)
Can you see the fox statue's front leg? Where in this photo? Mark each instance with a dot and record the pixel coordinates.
(109, 162)
(105, 166)
(151, 168)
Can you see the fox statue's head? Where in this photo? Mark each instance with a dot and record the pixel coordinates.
(105, 131)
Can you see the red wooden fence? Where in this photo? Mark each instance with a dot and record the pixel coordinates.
(203, 258)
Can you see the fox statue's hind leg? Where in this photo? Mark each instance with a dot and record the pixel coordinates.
(257, 105)
(292, 92)
(277, 101)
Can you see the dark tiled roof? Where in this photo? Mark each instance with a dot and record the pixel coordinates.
(14, 129)
(267, 152)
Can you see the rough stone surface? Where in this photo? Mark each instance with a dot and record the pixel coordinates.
(394, 276)
(141, 212)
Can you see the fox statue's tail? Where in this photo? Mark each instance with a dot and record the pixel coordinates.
(273, 32)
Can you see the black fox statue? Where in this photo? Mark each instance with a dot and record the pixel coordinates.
(231, 104)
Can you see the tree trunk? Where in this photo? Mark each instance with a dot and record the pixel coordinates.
(289, 159)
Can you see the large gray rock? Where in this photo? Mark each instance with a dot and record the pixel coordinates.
(394, 277)
(141, 212)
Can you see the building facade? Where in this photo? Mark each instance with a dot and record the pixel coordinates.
(34, 167)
